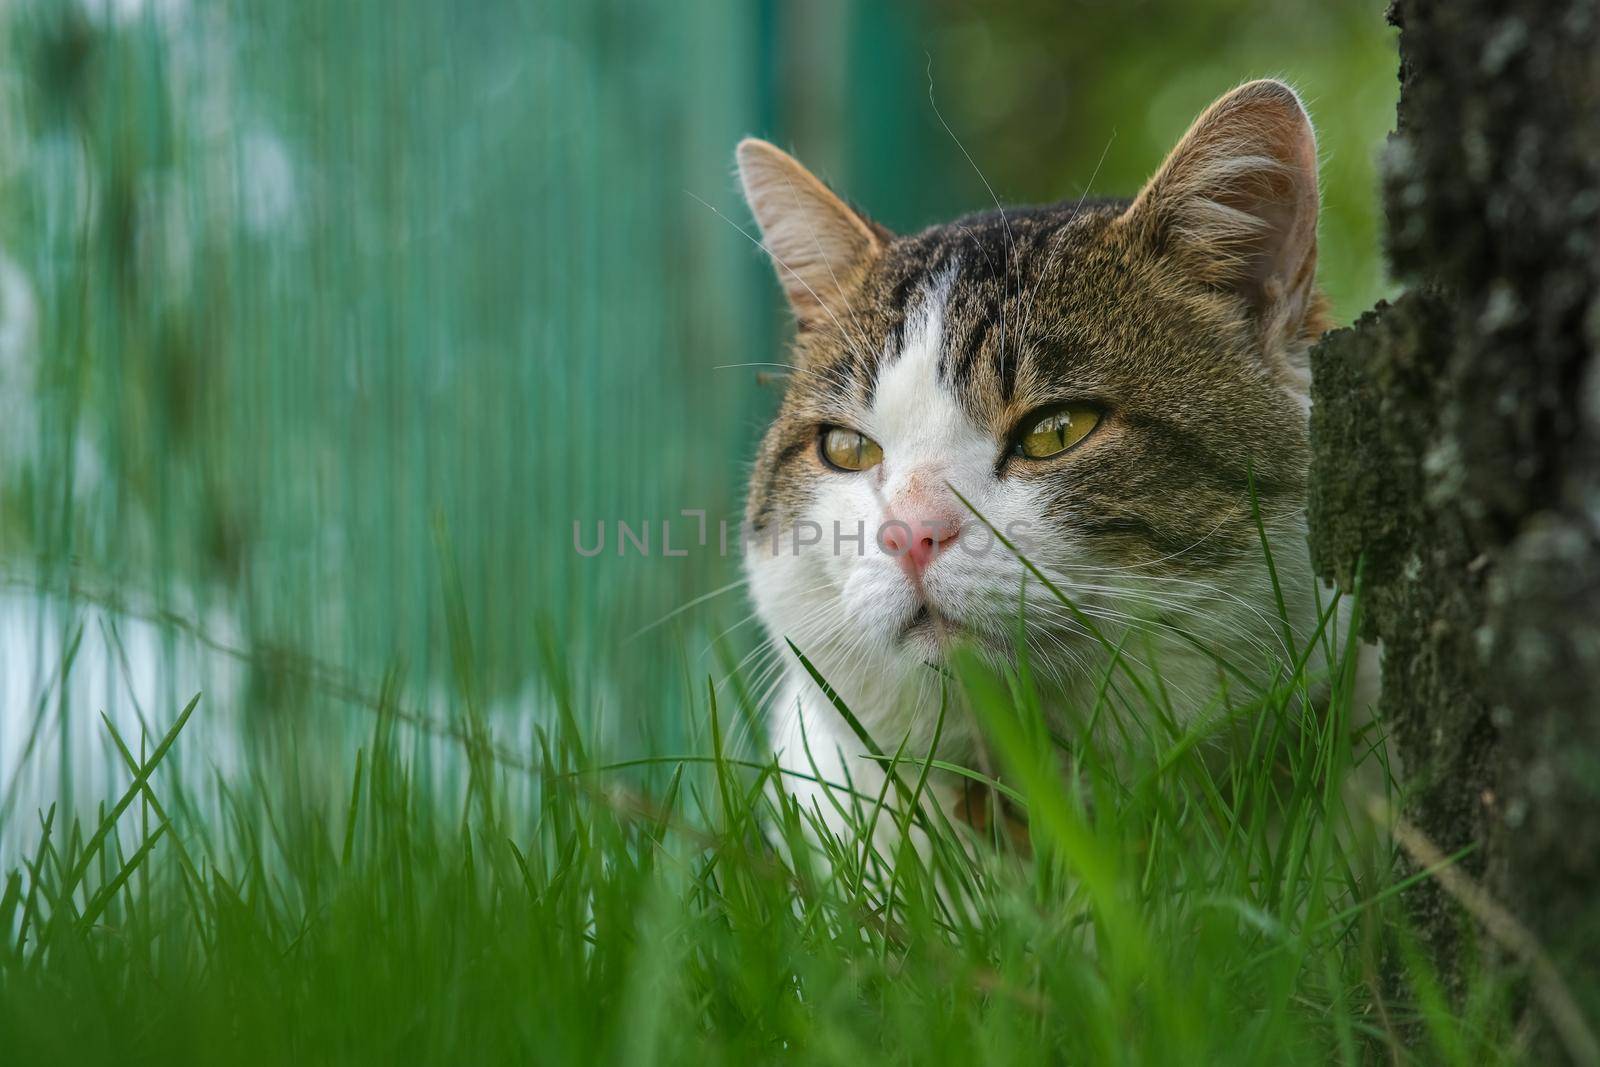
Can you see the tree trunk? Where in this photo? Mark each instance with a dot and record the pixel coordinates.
(1457, 437)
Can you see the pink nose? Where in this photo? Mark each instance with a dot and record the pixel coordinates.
(919, 543)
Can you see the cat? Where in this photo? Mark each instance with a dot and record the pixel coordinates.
(1120, 384)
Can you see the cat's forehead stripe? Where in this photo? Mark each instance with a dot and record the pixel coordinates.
(918, 299)
(926, 266)
(985, 265)
(908, 373)
(918, 417)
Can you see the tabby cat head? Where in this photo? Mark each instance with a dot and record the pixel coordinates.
(1105, 380)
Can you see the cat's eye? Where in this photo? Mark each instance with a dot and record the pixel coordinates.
(1051, 432)
(847, 450)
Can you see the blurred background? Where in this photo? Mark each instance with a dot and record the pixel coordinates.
(321, 324)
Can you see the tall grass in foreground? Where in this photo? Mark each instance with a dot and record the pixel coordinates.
(1208, 896)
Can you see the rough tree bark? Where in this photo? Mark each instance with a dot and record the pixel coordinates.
(1457, 437)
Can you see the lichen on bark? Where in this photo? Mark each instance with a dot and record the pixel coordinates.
(1457, 460)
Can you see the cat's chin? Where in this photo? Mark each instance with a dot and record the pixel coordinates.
(926, 634)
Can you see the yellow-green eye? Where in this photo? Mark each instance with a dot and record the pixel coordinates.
(1055, 431)
(847, 450)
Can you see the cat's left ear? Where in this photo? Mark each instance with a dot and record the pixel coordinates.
(1235, 204)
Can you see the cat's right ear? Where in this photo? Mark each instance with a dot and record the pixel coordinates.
(820, 246)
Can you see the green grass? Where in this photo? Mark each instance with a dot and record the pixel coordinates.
(1200, 896)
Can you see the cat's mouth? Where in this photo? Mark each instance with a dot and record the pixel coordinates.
(931, 626)
(930, 633)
